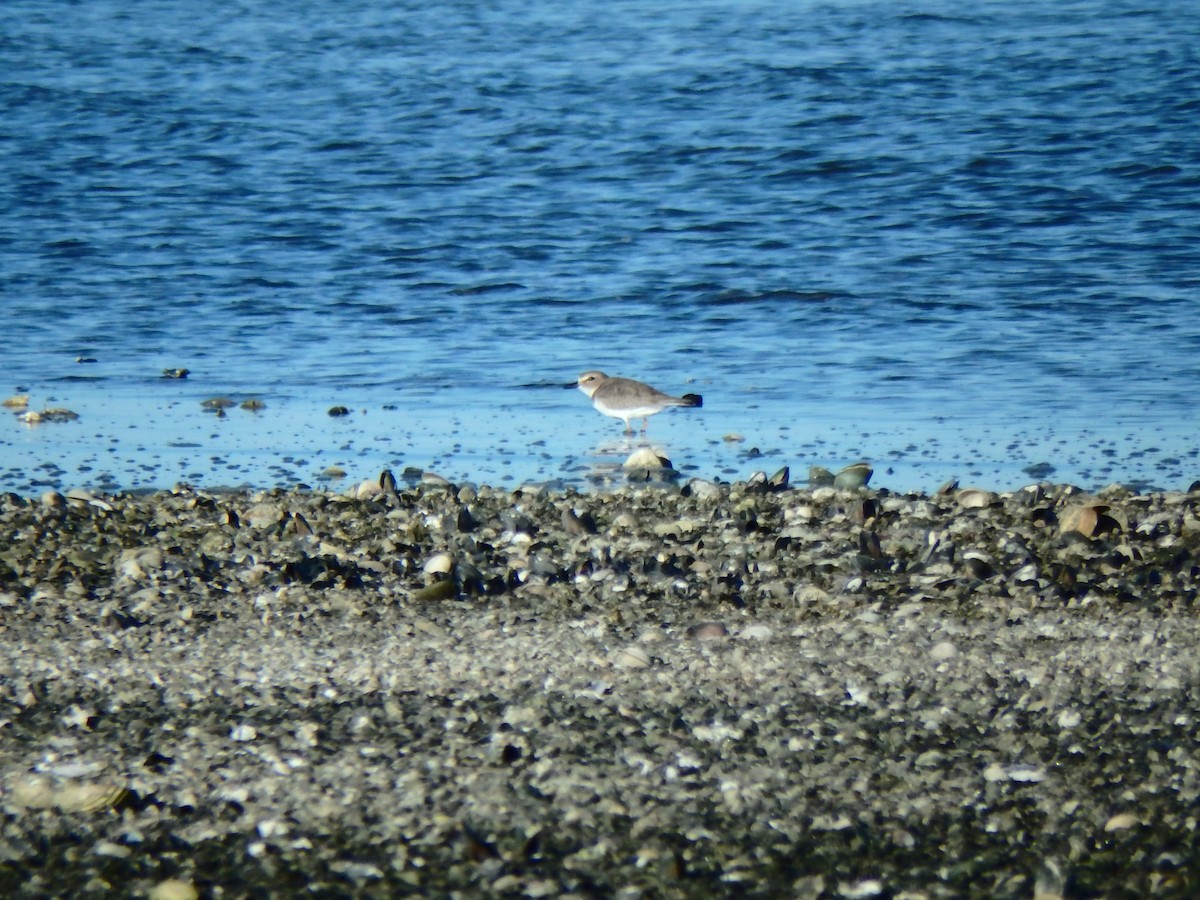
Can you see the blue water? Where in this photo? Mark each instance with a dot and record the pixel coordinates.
(959, 240)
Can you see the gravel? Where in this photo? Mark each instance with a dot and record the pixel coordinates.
(696, 691)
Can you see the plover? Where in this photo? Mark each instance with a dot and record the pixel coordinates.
(624, 398)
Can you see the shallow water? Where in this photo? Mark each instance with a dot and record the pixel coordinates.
(956, 243)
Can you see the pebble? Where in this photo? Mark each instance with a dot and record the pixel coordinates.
(243, 733)
(646, 458)
(1121, 822)
(757, 632)
(173, 889)
(706, 631)
(943, 650)
(438, 564)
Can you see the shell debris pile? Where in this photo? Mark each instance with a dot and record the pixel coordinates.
(688, 689)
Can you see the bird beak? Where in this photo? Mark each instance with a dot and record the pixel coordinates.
(573, 384)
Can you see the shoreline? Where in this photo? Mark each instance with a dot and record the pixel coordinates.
(735, 691)
(163, 435)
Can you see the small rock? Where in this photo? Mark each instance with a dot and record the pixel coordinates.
(646, 458)
(439, 590)
(139, 562)
(263, 515)
(1069, 718)
(756, 632)
(243, 733)
(1121, 822)
(173, 889)
(943, 650)
(112, 850)
(858, 890)
(578, 523)
(704, 490)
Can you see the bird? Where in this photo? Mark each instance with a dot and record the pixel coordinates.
(624, 398)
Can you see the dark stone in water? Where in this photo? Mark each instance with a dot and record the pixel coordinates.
(1039, 471)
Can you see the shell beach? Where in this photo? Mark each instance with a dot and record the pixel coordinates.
(659, 691)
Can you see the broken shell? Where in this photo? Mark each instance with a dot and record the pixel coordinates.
(137, 562)
(32, 793)
(70, 796)
(632, 657)
(80, 495)
(89, 797)
(17, 401)
(759, 483)
(217, 403)
(853, 476)
(864, 511)
(1092, 519)
(578, 523)
(1050, 881)
(439, 590)
(439, 564)
(50, 414)
(975, 498)
(367, 489)
(978, 564)
(253, 405)
(818, 476)
(946, 489)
